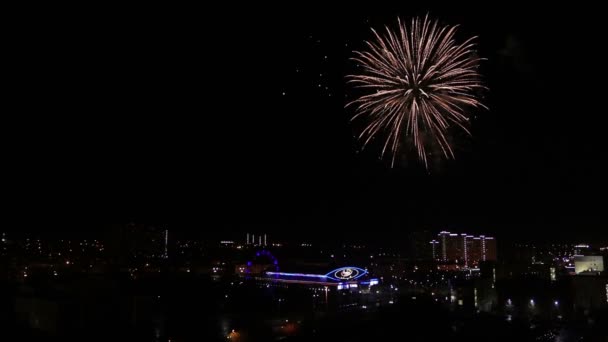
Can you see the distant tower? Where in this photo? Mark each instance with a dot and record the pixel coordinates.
(260, 240)
(434, 249)
(247, 238)
(483, 247)
(443, 240)
(253, 239)
(166, 256)
(265, 241)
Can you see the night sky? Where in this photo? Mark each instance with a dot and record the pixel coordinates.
(233, 120)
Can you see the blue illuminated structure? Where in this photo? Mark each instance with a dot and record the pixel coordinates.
(371, 282)
(285, 274)
(339, 274)
(346, 273)
(264, 254)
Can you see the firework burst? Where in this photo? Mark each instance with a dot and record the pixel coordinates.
(418, 83)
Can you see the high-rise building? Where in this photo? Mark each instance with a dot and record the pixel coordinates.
(476, 251)
(581, 249)
(443, 243)
(489, 251)
(261, 241)
(464, 249)
(454, 248)
(166, 254)
(435, 249)
(588, 264)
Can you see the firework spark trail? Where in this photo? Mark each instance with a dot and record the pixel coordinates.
(419, 84)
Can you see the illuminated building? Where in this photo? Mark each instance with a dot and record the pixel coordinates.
(489, 249)
(584, 264)
(435, 249)
(343, 278)
(166, 254)
(451, 246)
(443, 236)
(262, 240)
(464, 249)
(264, 267)
(474, 252)
(454, 248)
(581, 249)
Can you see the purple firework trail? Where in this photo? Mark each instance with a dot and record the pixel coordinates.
(419, 82)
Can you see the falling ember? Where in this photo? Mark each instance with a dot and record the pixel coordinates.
(419, 83)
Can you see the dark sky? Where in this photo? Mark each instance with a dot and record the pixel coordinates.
(229, 119)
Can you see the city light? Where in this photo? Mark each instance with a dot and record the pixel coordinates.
(447, 288)
(343, 273)
(475, 297)
(305, 275)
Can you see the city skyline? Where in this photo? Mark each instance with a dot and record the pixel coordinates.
(153, 275)
(299, 232)
(260, 172)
